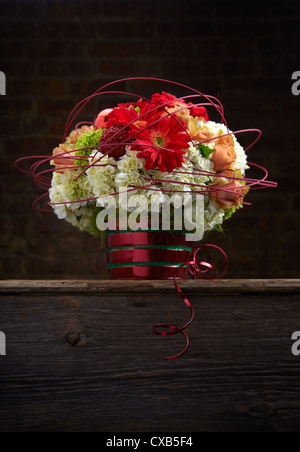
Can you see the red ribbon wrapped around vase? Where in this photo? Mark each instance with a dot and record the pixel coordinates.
(147, 254)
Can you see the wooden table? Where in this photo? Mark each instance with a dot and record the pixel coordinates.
(81, 356)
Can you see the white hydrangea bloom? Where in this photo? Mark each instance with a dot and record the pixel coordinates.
(213, 216)
(101, 175)
(65, 189)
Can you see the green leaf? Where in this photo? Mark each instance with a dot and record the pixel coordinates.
(206, 151)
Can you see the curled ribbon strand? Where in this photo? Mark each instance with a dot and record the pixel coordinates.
(199, 270)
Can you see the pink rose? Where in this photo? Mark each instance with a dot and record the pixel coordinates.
(78, 133)
(223, 156)
(229, 195)
(63, 158)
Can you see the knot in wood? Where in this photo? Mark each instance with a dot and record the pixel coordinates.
(73, 338)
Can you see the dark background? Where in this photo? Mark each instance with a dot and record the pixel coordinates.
(56, 52)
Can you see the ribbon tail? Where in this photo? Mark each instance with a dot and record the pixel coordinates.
(200, 270)
(171, 329)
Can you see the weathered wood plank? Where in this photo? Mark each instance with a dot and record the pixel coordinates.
(79, 359)
(196, 286)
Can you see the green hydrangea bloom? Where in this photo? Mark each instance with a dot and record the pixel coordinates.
(88, 140)
(230, 212)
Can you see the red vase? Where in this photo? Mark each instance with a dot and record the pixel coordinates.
(147, 254)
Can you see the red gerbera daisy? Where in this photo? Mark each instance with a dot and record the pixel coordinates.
(134, 118)
(172, 102)
(163, 146)
(167, 99)
(199, 112)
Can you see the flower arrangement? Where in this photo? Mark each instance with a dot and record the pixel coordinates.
(155, 148)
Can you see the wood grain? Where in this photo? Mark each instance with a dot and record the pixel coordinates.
(196, 286)
(81, 356)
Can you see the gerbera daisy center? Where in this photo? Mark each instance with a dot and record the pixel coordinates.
(140, 124)
(159, 139)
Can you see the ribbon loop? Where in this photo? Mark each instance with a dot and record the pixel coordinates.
(199, 270)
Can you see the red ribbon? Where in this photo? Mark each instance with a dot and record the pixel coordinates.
(200, 270)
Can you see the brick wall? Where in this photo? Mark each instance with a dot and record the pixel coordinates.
(54, 52)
